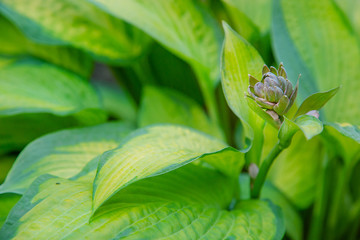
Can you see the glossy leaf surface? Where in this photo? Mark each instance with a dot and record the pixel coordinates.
(184, 27)
(178, 205)
(78, 24)
(43, 96)
(156, 150)
(62, 154)
(14, 43)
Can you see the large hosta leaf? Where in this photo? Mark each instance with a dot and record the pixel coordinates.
(239, 59)
(184, 27)
(188, 203)
(14, 43)
(156, 150)
(352, 10)
(36, 98)
(79, 24)
(298, 167)
(326, 52)
(162, 105)
(258, 12)
(62, 154)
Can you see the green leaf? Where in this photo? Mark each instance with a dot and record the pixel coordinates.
(239, 59)
(27, 87)
(163, 105)
(343, 140)
(292, 219)
(315, 101)
(347, 130)
(298, 166)
(78, 24)
(117, 102)
(178, 205)
(14, 43)
(171, 71)
(352, 9)
(258, 12)
(183, 27)
(309, 125)
(62, 154)
(7, 201)
(325, 52)
(156, 150)
(45, 98)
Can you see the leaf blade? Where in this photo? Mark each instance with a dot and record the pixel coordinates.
(315, 101)
(55, 153)
(327, 49)
(156, 150)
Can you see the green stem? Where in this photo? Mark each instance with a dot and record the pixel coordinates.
(264, 169)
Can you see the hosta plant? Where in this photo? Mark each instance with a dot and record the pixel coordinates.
(165, 119)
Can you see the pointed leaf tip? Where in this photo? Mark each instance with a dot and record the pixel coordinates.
(316, 101)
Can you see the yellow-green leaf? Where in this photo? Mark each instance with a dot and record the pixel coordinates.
(188, 203)
(14, 43)
(36, 98)
(239, 59)
(78, 24)
(62, 153)
(156, 150)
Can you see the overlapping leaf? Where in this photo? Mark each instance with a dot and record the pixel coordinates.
(239, 59)
(292, 219)
(298, 167)
(309, 125)
(326, 53)
(44, 97)
(178, 205)
(62, 154)
(156, 150)
(184, 27)
(14, 43)
(258, 12)
(162, 105)
(79, 24)
(117, 102)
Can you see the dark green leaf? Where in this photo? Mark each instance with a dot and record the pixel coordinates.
(163, 105)
(7, 201)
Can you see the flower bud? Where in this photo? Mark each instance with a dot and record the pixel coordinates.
(274, 92)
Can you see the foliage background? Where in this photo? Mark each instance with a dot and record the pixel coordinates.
(74, 66)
